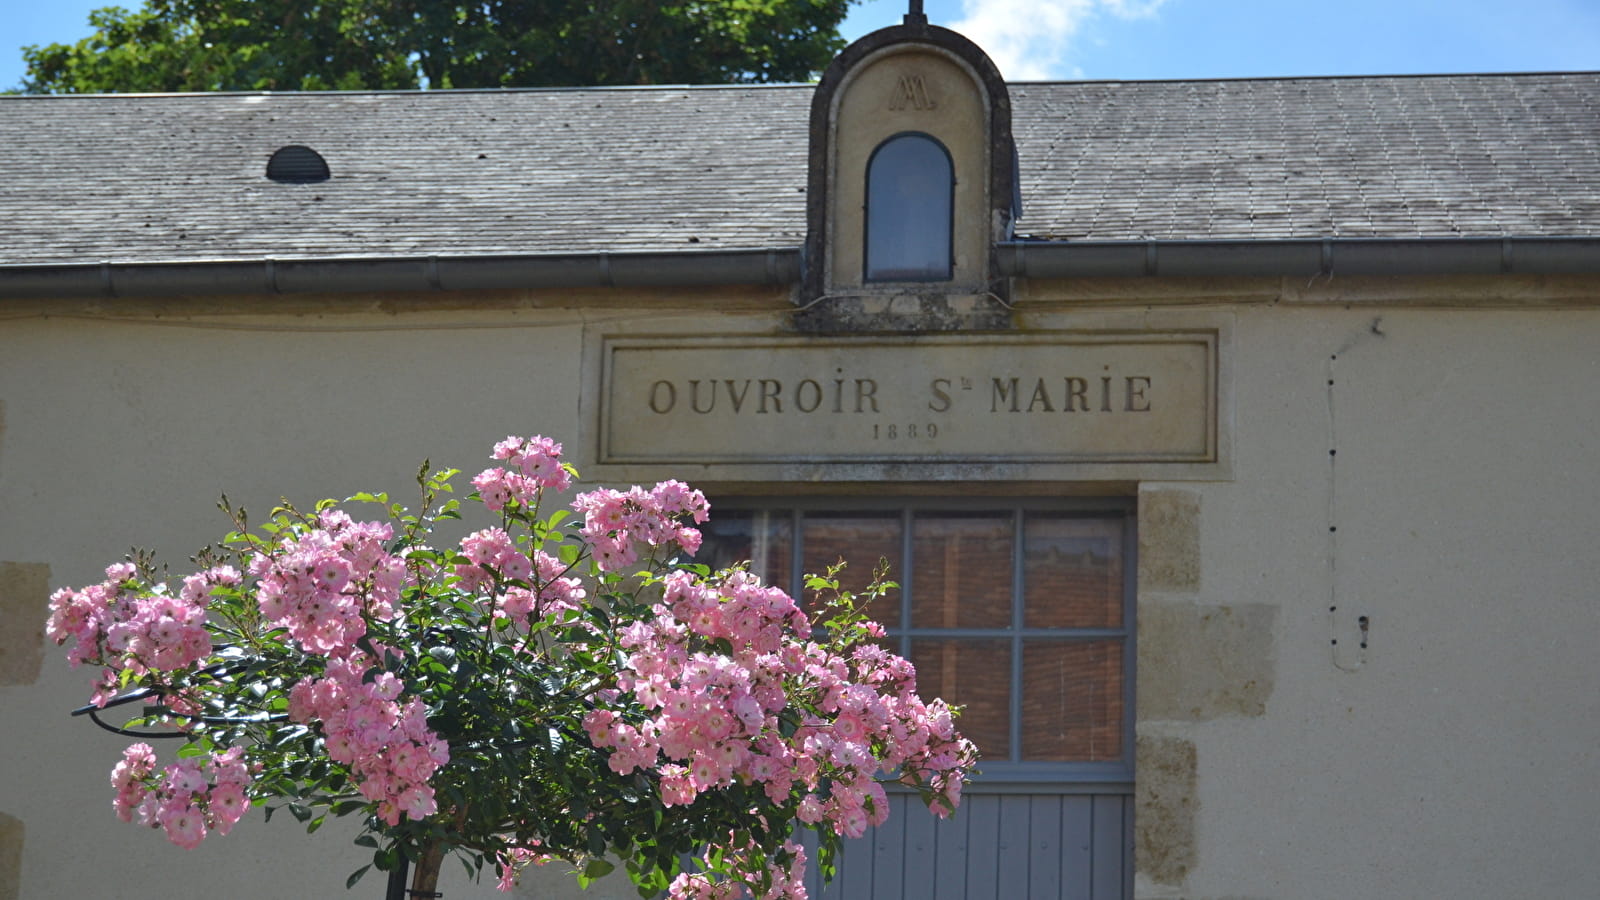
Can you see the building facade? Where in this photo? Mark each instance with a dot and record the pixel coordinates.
(1234, 442)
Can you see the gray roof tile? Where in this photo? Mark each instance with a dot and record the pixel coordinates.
(180, 178)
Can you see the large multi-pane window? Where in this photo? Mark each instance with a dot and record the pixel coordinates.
(1018, 609)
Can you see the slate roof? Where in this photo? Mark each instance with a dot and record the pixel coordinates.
(1395, 157)
(181, 177)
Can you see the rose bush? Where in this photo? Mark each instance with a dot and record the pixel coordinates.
(541, 689)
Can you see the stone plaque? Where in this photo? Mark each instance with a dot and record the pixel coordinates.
(1060, 397)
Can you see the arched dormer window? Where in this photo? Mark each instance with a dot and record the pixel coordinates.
(910, 197)
(910, 188)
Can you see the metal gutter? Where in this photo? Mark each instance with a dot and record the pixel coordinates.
(1332, 256)
(780, 267)
(774, 267)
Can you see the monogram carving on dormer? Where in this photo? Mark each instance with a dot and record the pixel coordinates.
(911, 92)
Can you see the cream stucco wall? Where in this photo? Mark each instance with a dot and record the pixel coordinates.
(1453, 757)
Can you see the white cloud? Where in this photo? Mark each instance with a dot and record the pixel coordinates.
(1133, 9)
(1029, 39)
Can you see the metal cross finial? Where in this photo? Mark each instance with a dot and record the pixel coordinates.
(915, 15)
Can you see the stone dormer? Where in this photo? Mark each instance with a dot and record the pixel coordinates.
(912, 184)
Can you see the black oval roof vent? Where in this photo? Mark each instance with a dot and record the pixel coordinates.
(296, 164)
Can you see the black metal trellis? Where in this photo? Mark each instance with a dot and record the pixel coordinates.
(397, 880)
(93, 712)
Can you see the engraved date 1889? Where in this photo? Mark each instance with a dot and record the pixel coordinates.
(911, 431)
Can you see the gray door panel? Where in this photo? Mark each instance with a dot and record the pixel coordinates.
(997, 847)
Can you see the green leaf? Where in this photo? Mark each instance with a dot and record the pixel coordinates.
(356, 876)
(788, 723)
(598, 868)
(387, 860)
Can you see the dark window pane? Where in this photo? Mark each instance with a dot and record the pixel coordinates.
(1072, 570)
(976, 674)
(910, 187)
(762, 538)
(963, 572)
(1072, 701)
(860, 540)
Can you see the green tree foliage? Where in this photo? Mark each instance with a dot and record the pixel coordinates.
(222, 45)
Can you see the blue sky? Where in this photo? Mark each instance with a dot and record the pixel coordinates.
(1125, 39)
